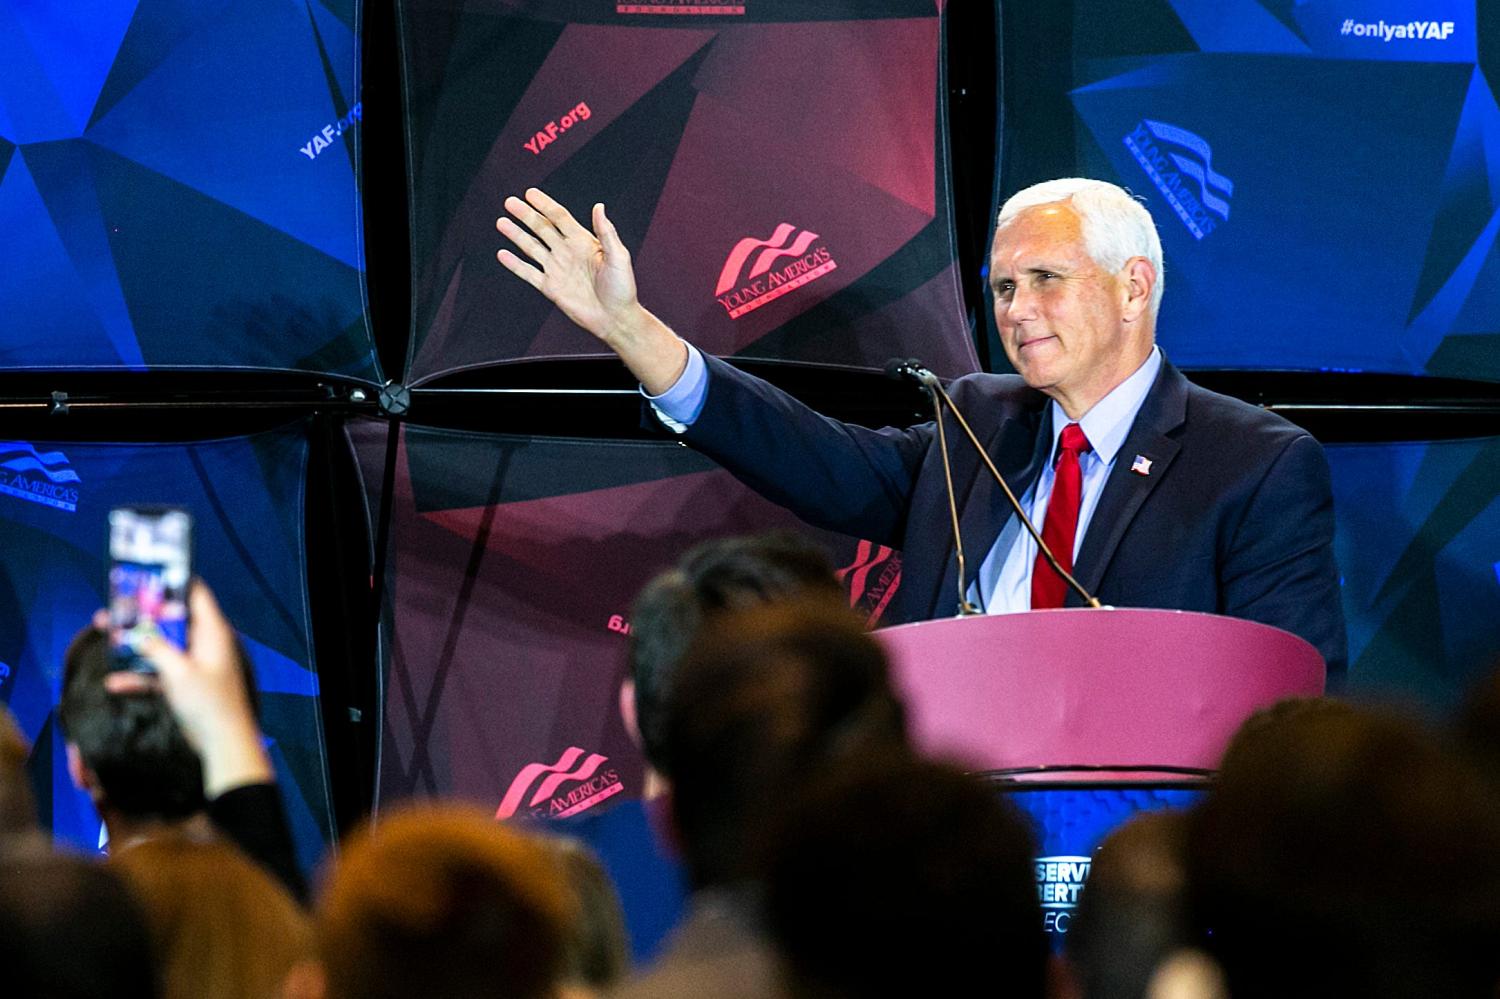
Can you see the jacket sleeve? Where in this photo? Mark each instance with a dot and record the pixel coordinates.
(253, 818)
(1280, 568)
(833, 475)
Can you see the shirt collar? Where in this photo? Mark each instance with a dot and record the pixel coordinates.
(1107, 423)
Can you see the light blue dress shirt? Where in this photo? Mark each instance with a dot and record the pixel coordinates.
(1004, 581)
(1003, 584)
(680, 405)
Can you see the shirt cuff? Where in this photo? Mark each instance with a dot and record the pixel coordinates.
(680, 405)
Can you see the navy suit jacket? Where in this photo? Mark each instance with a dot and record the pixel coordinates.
(1235, 517)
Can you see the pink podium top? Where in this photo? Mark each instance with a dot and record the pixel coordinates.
(1126, 688)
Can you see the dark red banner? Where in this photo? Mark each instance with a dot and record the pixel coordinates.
(512, 566)
(779, 171)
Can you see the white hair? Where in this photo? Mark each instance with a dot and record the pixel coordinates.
(1115, 226)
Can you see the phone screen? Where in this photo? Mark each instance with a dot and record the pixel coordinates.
(150, 564)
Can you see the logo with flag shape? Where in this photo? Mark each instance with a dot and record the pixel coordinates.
(759, 271)
(1180, 164)
(38, 476)
(590, 785)
(872, 579)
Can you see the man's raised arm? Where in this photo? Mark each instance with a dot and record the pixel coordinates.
(832, 474)
(588, 276)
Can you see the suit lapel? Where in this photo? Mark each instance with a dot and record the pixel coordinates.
(1162, 412)
(1018, 447)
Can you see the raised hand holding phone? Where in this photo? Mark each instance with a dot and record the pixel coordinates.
(206, 689)
(150, 564)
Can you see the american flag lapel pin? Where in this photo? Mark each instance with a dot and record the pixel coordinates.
(1141, 465)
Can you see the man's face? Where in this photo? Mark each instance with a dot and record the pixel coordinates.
(1062, 318)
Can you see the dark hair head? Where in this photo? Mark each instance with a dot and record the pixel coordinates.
(442, 902)
(17, 808)
(1271, 723)
(69, 929)
(131, 742)
(895, 876)
(597, 945)
(1356, 849)
(1134, 913)
(765, 699)
(716, 576)
(220, 924)
(1477, 726)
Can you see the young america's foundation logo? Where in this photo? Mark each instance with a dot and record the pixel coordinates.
(1180, 164)
(39, 476)
(759, 271)
(590, 786)
(732, 7)
(872, 579)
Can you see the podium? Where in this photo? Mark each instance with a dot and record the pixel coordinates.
(1086, 717)
(1082, 689)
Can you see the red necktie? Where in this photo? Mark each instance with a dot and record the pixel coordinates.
(1061, 524)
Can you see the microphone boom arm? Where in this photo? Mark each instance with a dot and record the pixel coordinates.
(935, 390)
(935, 387)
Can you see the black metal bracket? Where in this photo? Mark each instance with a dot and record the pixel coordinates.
(395, 399)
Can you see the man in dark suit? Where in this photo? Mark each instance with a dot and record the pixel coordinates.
(1157, 492)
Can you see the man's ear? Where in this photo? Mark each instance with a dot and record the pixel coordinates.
(1138, 278)
(627, 711)
(83, 777)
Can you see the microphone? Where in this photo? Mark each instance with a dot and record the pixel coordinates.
(911, 368)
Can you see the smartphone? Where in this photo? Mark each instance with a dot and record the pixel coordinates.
(150, 564)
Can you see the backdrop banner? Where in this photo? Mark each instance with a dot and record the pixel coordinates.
(1419, 545)
(177, 186)
(246, 496)
(778, 168)
(1324, 175)
(512, 566)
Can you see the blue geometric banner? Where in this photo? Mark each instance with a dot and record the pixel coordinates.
(177, 186)
(246, 496)
(1325, 179)
(1418, 541)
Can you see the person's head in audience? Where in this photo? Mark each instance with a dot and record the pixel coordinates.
(765, 699)
(17, 808)
(441, 902)
(715, 577)
(126, 750)
(1477, 726)
(1134, 913)
(596, 946)
(221, 927)
(70, 929)
(1274, 721)
(894, 876)
(1347, 852)
(126, 743)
